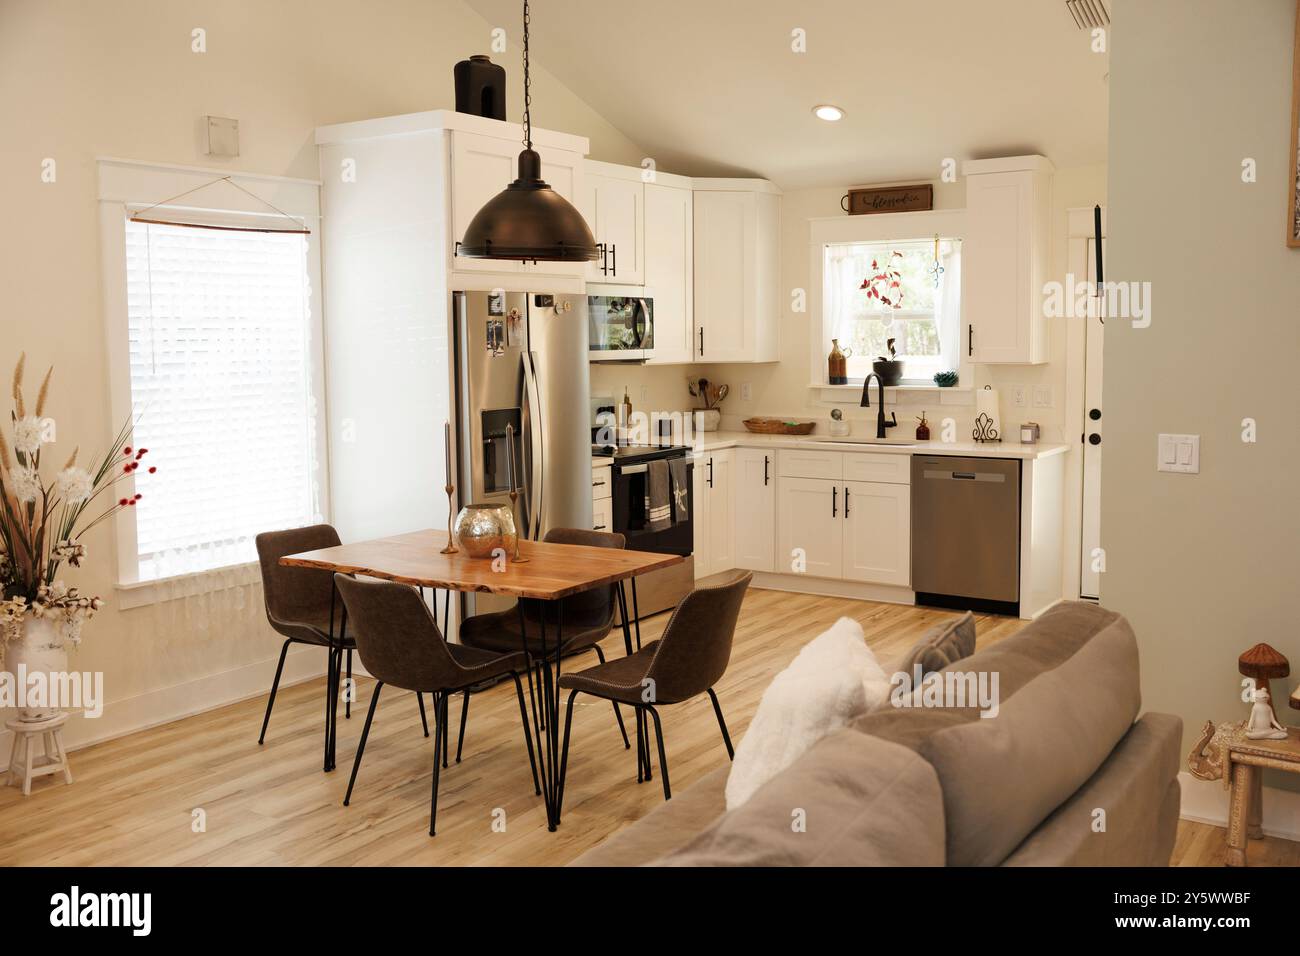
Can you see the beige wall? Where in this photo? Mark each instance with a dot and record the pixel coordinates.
(80, 80)
(1205, 566)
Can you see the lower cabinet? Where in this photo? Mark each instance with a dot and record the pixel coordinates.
(812, 526)
(755, 508)
(877, 533)
(715, 533)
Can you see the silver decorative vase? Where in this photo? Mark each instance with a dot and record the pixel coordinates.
(481, 529)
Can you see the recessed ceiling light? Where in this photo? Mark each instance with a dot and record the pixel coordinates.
(830, 114)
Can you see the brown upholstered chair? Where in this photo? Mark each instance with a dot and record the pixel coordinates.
(587, 617)
(690, 657)
(400, 644)
(301, 606)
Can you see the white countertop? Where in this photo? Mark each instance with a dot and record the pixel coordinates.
(716, 441)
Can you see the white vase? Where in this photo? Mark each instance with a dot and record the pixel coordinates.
(707, 419)
(39, 648)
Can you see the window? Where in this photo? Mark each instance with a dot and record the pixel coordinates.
(221, 349)
(923, 318)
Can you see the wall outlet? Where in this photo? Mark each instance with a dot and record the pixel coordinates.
(1180, 454)
(746, 392)
(1042, 396)
(1018, 396)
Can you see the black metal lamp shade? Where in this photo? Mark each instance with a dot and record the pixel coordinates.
(529, 220)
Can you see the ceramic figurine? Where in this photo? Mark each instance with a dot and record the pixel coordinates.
(1262, 724)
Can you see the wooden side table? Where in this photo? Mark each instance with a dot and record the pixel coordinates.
(1225, 752)
(24, 764)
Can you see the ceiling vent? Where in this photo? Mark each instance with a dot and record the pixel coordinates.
(1088, 14)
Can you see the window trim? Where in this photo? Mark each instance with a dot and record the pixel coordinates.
(884, 227)
(125, 185)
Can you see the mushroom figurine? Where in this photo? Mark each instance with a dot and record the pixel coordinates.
(1263, 663)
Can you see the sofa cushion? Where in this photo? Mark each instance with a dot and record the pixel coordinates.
(832, 680)
(1040, 646)
(1002, 776)
(861, 802)
(942, 645)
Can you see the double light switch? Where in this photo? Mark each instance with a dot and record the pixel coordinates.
(1180, 454)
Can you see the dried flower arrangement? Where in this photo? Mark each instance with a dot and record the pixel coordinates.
(41, 522)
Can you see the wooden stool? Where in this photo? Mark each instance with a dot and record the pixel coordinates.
(23, 762)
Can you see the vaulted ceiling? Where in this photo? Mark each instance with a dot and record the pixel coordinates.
(714, 88)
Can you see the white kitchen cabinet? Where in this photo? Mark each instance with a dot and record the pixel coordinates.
(755, 508)
(670, 270)
(737, 270)
(811, 522)
(714, 517)
(1004, 258)
(877, 532)
(481, 166)
(614, 205)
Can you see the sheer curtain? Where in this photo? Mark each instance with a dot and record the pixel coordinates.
(947, 304)
(221, 346)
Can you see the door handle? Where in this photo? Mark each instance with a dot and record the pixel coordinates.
(846, 502)
(701, 340)
(835, 499)
(1094, 413)
(613, 258)
(710, 472)
(604, 267)
(970, 338)
(1094, 439)
(534, 487)
(765, 460)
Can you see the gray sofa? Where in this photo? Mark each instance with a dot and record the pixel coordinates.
(1065, 774)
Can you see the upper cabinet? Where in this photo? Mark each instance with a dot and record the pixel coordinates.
(669, 270)
(737, 270)
(481, 166)
(1008, 214)
(613, 201)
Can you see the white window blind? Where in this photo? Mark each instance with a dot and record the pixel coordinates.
(220, 346)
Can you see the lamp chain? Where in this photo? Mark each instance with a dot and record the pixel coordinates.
(528, 96)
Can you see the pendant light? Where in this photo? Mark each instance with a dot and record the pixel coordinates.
(528, 220)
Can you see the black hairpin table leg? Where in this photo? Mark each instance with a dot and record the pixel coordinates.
(546, 706)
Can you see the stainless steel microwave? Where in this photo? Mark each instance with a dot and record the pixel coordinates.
(621, 325)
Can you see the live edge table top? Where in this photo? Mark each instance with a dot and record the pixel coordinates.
(552, 571)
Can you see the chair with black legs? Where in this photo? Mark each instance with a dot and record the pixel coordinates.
(588, 617)
(400, 644)
(690, 657)
(301, 607)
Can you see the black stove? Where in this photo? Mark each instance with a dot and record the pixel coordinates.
(626, 454)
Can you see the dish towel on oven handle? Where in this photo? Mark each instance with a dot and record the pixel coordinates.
(658, 505)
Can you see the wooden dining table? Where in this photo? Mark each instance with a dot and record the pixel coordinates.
(550, 573)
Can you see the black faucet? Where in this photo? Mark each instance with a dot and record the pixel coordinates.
(881, 424)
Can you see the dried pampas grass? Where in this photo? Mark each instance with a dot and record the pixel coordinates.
(44, 393)
(18, 385)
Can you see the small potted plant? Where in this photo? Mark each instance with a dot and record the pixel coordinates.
(889, 369)
(709, 416)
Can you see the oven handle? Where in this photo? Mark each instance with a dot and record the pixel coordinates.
(633, 469)
(641, 323)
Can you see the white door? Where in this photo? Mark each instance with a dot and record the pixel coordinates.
(669, 268)
(722, 534)
(700, 516)
(810, 518)
(725, 236)
(1090, 540)
(877, 533)
(755, 511)
(615, 211)
(994, 271)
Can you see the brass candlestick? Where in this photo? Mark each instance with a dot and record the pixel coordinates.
(450, 488)
(514, 492)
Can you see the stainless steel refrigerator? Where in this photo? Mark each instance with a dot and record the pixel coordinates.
(521, 360)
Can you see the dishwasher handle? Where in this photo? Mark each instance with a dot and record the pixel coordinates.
(937, 475)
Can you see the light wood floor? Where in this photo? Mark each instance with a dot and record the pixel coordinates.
(133, 799)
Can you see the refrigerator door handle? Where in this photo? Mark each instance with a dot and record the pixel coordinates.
(532, 424)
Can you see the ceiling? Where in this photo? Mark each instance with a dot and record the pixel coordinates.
(713, 88)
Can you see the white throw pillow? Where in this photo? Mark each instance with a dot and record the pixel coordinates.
(834, 679)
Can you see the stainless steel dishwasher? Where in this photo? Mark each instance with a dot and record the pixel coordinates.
(966, 532)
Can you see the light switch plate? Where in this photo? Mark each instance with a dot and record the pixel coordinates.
(1180, 454)
(1042, 396)
(746, 392)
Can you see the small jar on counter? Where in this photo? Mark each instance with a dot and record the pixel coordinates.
(1029, 432)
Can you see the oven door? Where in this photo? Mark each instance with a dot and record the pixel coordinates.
(621, 326)
(630, 519)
